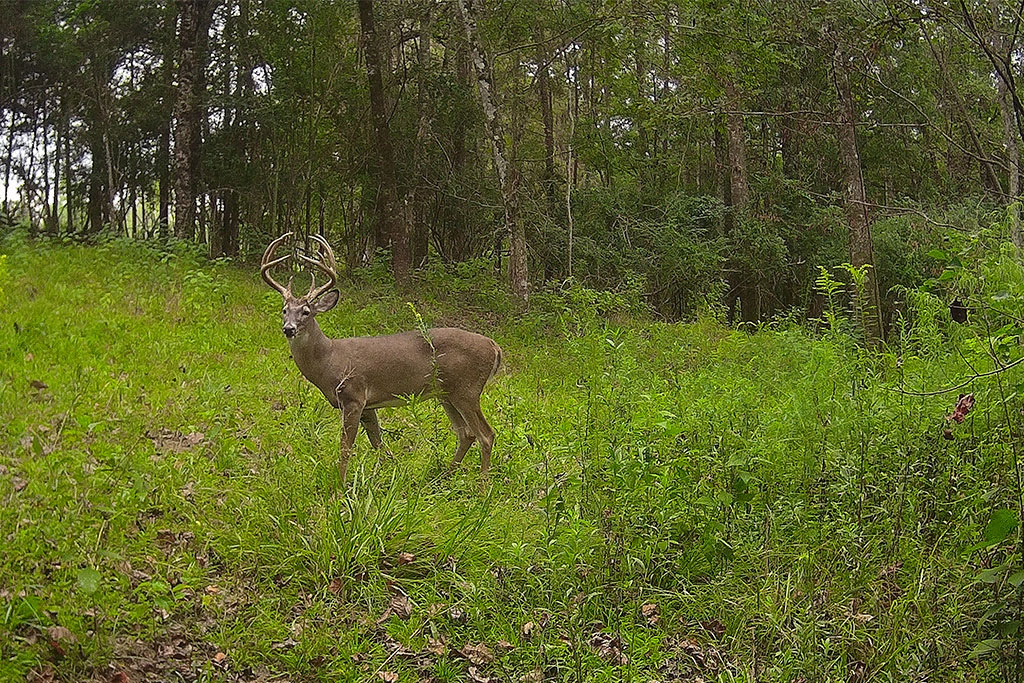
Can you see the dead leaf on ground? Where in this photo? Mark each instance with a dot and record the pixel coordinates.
(437, 645)
(478, 654)
(503, 646)
(400, 606)
(535, 676)
(45, 675)
(714, 627)
(119, 677)
(59, 633)
(477, 677)
(610, 647)
(527, 629)
(405, 558)
(457, 614)
(335, 586)
(286, 644)
(219, 658)
(19, 483)
(651, 612)
(387, 676)
(39, 385)
(170, 441)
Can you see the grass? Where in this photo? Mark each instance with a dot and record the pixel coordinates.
(668, 502)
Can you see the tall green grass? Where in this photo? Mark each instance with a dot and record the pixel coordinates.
(789, 511)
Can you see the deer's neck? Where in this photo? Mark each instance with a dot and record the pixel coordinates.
(309, 349)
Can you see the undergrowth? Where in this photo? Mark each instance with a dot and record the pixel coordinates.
(667, 501)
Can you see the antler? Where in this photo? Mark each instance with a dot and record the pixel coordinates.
(269, 262)
(330, 268)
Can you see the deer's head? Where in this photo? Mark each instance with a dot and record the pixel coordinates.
(298, 311)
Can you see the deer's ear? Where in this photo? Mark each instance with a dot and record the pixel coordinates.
(327, 301)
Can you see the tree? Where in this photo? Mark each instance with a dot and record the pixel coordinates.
(517, 268)
(390, 214)
(194, 18)
(861, 245)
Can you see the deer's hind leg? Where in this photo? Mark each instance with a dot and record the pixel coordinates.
(477, 424)
(372, 427)
(462, 431)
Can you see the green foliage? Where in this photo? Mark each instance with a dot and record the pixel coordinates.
(174, 479)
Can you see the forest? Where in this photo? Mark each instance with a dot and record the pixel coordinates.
(750, 281)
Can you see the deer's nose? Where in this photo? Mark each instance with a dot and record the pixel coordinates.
(289, 331)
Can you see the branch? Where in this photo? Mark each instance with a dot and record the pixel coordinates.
(963, 384)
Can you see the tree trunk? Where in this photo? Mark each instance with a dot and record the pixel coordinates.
(744, 284)
(547, 116)
(517, 269)
(193, 30)
(1011, 138)
(418, 205)
(390, 215)
(8, 162)
(68, 200)
(861, 246)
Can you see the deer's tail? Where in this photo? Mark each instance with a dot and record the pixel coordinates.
(497, 361)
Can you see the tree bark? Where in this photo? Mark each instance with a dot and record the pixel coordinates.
(389, 212)
(547, 116)
(1011, 145)
(517, 269)
(194, 18)
(743, 282)
(861, 246)
(418, 205)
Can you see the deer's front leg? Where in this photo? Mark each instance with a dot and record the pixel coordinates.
(351, 400)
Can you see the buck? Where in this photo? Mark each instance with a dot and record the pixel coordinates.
(358, 375)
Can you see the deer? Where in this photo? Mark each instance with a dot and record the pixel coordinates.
(358, 375)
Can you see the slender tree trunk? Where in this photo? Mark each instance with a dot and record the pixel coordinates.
(69, 203)
(8, 162)
(59, 147)
(390, 214)
(1011, 137)
(517, 270)
(193, 34)
(745, 284)
(548, 119)
(419, 205)
(861, 246)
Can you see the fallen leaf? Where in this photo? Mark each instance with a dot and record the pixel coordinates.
(400, 606)
(213, 589)
(651, 612)
(477, 677)
(59, 634)
(714, 627)
(335, 586)
(528, 629)
(535, 676)
(39, 385)
(219, 658)
(19, 483)
(457, 614)
(862, 618)
(610, 648)
(503, 646)
(478, 654)
(405, 558)
(387, 676)
(120, 677)
(437, 645)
